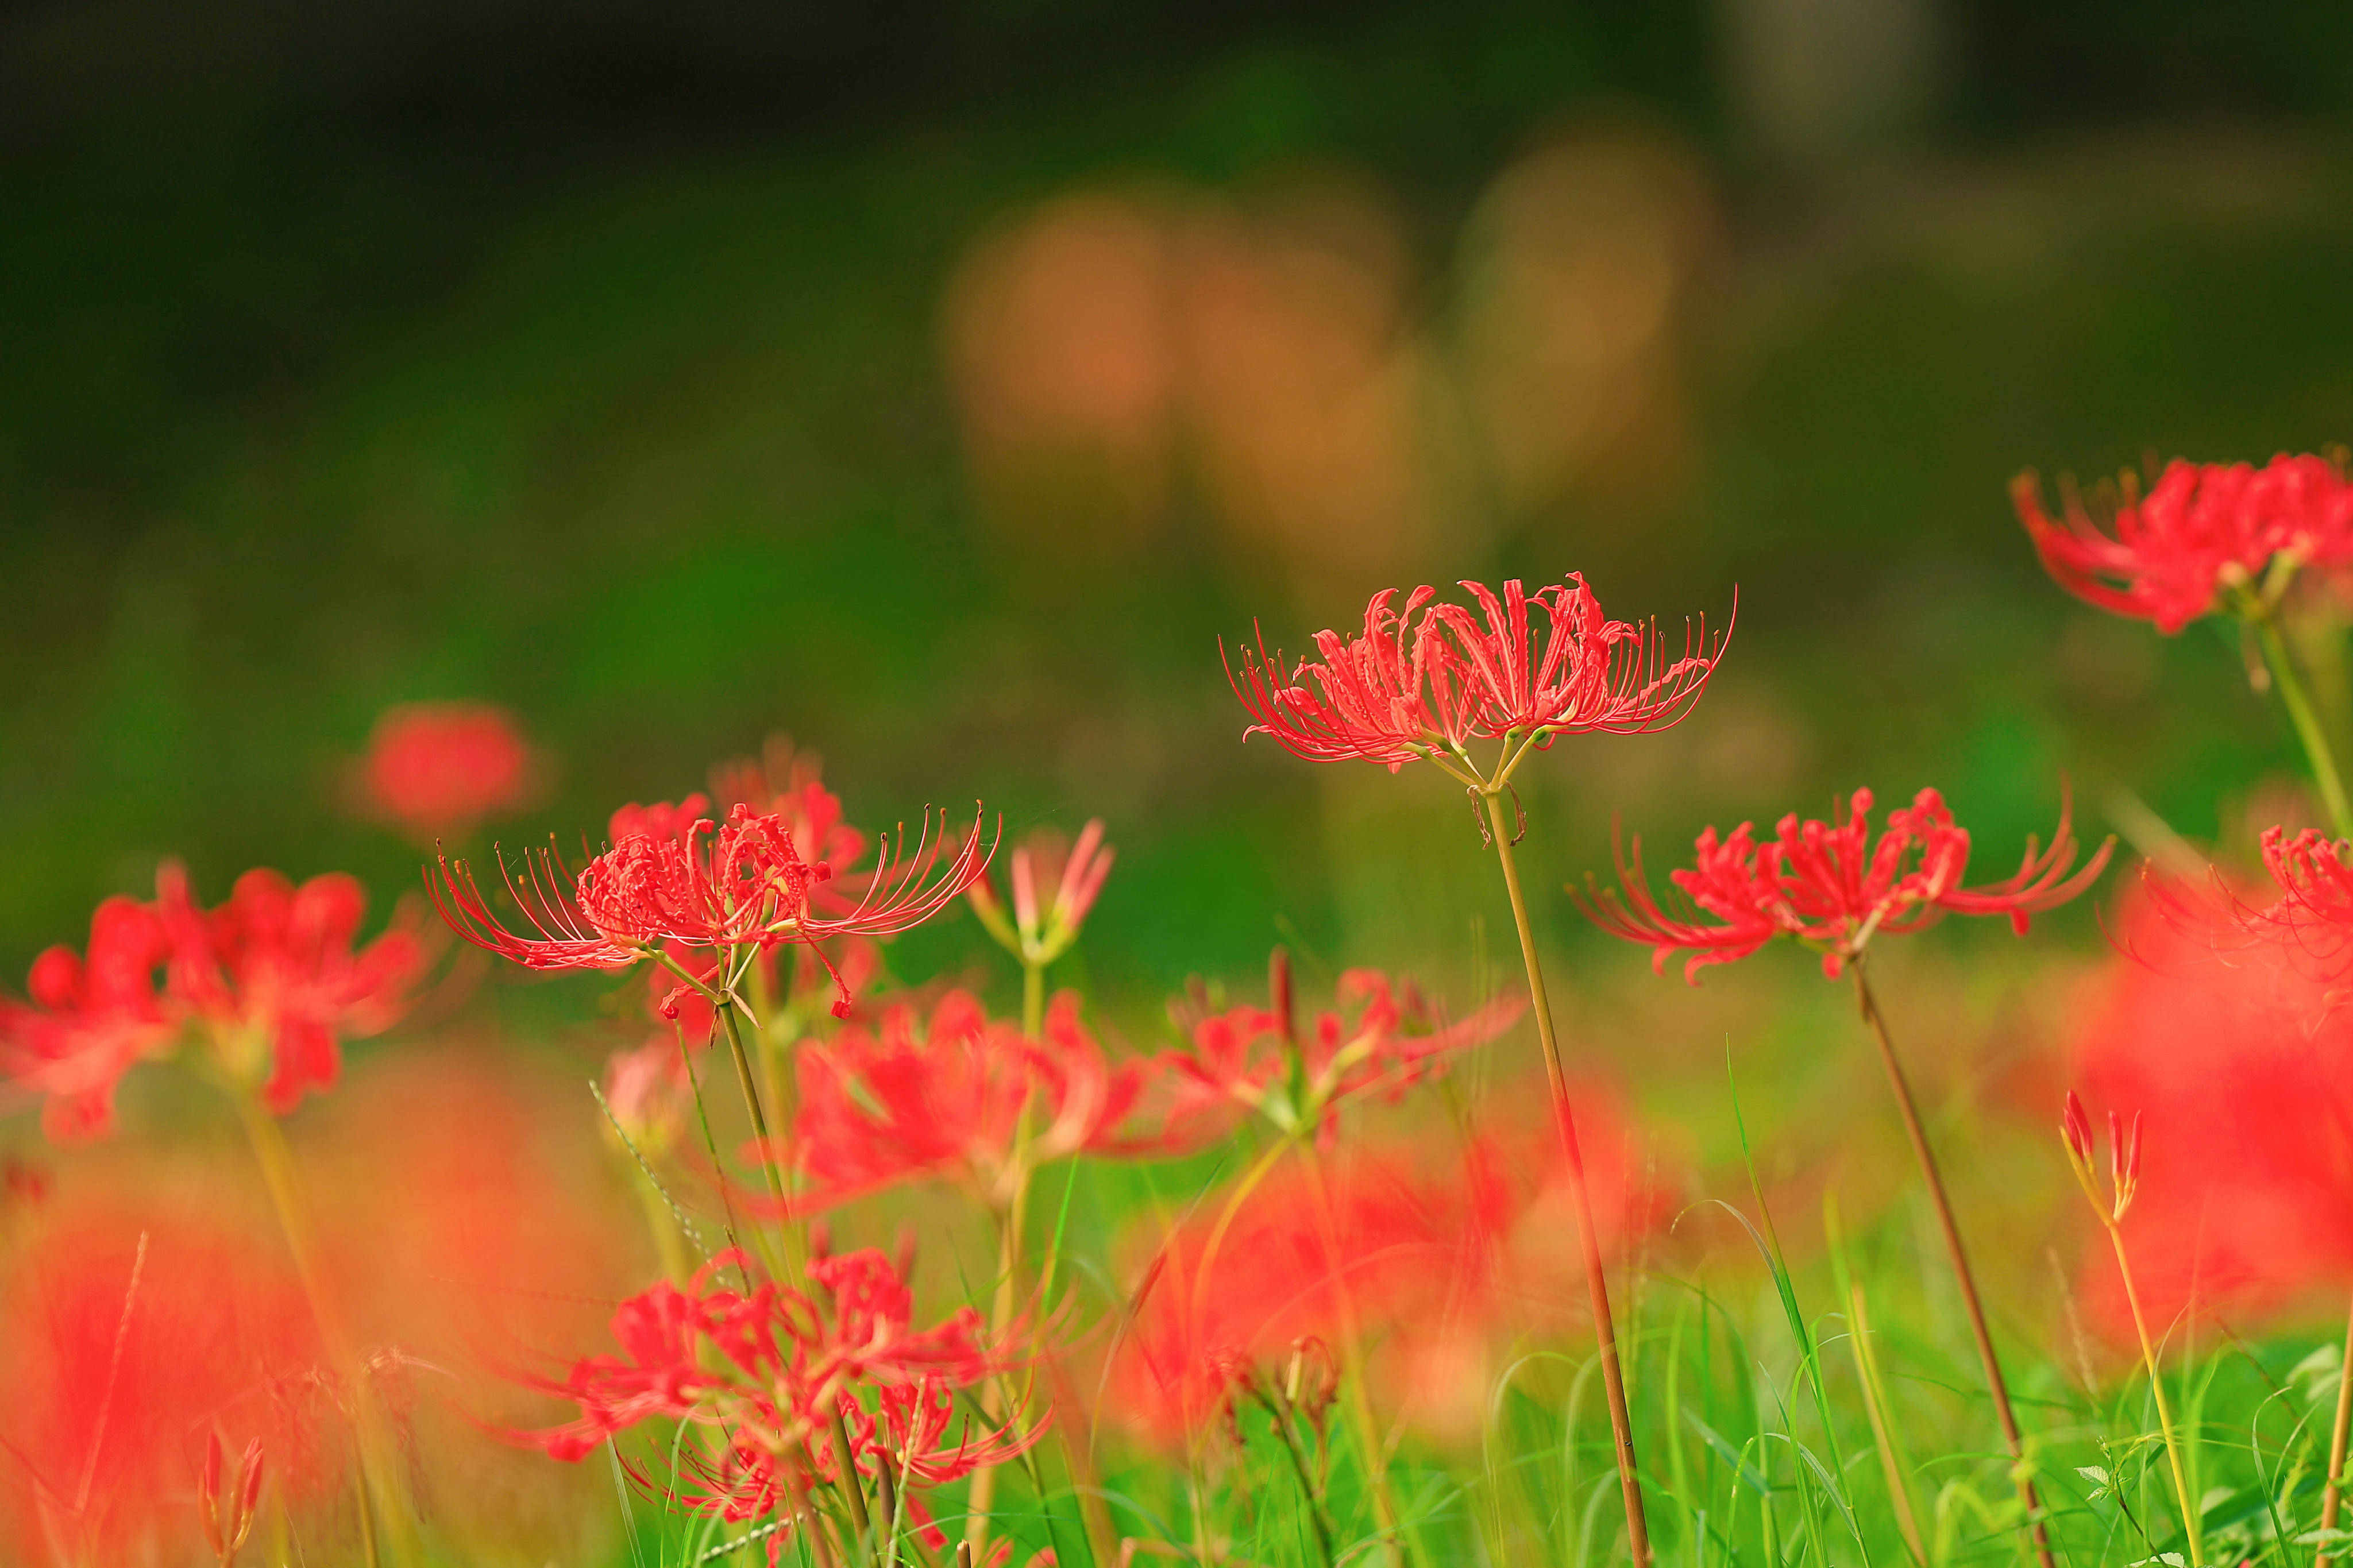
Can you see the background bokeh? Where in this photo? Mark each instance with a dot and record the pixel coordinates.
(939, 384)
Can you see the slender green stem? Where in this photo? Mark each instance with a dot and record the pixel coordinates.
(1933, 1178)
(770, 1166)
(2332, 1494)
(1286, 1429)
(1359, 1399)
(2190, 1534)
(377, 1492)
(2308, 729)
(852, 1491)
(1597, 1283)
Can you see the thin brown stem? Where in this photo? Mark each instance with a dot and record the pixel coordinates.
(1994, 1384)
(2332, 1495)
(1597, 1282)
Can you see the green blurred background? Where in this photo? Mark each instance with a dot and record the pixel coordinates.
(939, 384)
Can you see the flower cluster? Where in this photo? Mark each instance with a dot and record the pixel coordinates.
(775, 1379)
(943, 1099)
(267, 984)
(1828, 884)
(2203, 529)
(1381, 1036)
(1424, 680)
(671, 880)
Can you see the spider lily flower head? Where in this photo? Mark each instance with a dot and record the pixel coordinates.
(731, 886)
(1829, 886)
(1582, 673)
(941, 1099)
(91, 1019)
(437, 768)
(761, 1371)
(1037, 935)
(1380, 1037)
(268, 983)
(1422, 681)
(2204, 533)
(272, 979)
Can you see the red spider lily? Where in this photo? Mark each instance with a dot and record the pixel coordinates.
(2201, 529)
(1589, 673)
(740, 884)
(91, 1020)
(273, 979)
(2082, 1149)
(1830, 887)
(942, 1099)
(1434, 1265)
(438, 768)
(2242, 1065)
(1035, 934)
(1433, 677)
(766, 1370)
(1379, 1039)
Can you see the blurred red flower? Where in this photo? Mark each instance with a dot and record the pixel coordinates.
(1431, 1265)
(91, 1020)
(940, 1098)
(1830, 887)
(438, 768)
(273, 979)
(1432, 677)
(270, 983)
(763, 1371)
(2240, 1067)
(131, 1335)
(2202, 529)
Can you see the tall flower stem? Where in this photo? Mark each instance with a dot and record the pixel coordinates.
(379, 1495)
(2308, 728)
(1995, 1385)
(2189, 1531)
(788, 1241)
(1597, 1283)
(2332, 1496)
